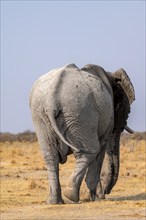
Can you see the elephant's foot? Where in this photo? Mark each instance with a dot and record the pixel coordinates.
(53, 200)
(72, 194)
(93, 196)
(100, 192)
(96, 197)
(101, 196)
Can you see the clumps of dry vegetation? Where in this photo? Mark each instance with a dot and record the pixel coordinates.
(26, 136)
(24, 185)
(29, 136)
(136, 136)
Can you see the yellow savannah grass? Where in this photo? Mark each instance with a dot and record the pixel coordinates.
(24, 186)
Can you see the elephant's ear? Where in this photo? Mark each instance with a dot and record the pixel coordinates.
(122, 78)
(124, 95)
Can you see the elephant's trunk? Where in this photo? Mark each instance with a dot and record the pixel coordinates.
(114, 162)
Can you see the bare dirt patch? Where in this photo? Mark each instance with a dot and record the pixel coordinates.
(24, 187)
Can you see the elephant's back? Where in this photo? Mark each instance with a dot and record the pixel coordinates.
(75, 91)
(47, 85)
(82, 97)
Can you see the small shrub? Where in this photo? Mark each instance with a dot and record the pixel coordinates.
(26, 136)
(136, 136)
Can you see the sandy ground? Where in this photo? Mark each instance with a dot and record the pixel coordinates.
(24, 187)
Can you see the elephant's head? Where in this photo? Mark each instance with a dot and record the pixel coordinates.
(120, 87)
(124, 95)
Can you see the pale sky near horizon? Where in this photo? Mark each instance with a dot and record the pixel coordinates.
(37, 36)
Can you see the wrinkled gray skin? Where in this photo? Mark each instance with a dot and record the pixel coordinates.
(73, 112)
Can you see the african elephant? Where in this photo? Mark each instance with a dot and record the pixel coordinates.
(81, 111)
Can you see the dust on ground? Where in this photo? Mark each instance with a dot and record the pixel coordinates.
(24, 187)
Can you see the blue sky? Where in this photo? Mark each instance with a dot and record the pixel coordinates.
(37, 36)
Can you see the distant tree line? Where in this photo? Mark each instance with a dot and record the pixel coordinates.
(137, 136)
(29, 136)
(26, 136)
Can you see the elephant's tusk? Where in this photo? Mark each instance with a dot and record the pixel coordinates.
(128, 129)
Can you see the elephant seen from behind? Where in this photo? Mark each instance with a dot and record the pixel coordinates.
(81, 112)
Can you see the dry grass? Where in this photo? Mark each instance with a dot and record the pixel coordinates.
(24, 186)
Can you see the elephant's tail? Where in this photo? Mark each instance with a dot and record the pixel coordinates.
(52, 115)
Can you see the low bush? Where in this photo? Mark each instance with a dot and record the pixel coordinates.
(137, 136)
(26, 136)
(29, 136)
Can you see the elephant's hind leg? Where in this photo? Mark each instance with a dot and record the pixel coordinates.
(51, 157)
(73, 188)
(93, 176)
